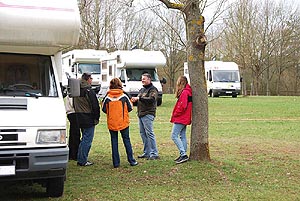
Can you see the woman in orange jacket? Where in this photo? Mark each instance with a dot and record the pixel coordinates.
(117, 105)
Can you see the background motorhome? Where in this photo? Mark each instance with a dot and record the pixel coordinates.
(79, 61)
(33, 143)
(222, 78)
(129, 65)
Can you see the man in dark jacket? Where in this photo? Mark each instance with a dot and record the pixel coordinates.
(88, 113)
(146, 108)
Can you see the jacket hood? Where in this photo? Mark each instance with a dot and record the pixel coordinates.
(115, 92)
(188, 88)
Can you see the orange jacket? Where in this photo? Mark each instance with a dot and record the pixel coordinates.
(117, 105)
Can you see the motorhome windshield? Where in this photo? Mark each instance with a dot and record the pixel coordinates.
(26, 75)
(225, 76)
(135, 74)
(89, 68)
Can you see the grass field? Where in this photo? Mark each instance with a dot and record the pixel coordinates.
(254, 147)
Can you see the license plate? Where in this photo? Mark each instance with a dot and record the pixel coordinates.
(229, 92)
(7, 170)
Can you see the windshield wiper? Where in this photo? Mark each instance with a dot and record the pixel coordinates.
(32, 94)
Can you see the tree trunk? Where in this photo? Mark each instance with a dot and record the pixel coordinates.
(195, 55)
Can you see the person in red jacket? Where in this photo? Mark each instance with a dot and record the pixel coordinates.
(117, 105)
(181, 117)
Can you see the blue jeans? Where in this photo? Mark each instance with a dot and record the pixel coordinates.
(179, 137)
(147, 135)
(85, 144)
(115, 149)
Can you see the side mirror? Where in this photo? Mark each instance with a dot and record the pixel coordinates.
(122, 80)
(74, 87)
(241, 79)
(64, 90)
(163, 80)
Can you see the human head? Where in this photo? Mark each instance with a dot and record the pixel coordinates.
(180, 85)
(146, 79)
(87, 77)
(115, 83)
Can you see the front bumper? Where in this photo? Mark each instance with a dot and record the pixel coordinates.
(30, 164)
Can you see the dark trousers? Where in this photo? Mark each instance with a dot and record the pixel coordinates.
(74, 136)
(115, 149)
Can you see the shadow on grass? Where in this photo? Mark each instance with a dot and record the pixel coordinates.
(17, 190)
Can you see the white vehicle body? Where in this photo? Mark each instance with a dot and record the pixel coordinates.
(33, 143)
(129, 65)
(222, 78)
(79, 61)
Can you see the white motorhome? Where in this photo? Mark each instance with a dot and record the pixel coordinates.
(79, 61)
(33, 143)
(222, 78)
(129, 65)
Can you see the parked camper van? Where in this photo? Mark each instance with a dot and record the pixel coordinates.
(79, 61)
(33, 143)
(129, 65)
(222, 78)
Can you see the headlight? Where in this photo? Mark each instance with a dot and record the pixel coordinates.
(51, 137)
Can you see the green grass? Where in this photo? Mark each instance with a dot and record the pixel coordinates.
(254, 147)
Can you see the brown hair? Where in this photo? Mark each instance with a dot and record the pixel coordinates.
(86, 76)
(180, 85)
(115, 83)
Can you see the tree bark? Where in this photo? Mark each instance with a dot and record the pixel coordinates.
(195, 54)
(199, 146)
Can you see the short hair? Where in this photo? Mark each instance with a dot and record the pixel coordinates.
(86, 76)
(147, 75)
(115, 83)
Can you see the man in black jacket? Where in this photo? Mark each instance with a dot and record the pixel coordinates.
(146, 108)
(88, 113)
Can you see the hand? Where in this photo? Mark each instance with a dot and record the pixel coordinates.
(134, 99)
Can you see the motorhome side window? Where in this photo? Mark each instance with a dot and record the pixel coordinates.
(122, 76)
(26, 75)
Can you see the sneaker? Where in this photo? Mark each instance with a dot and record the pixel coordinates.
(177, 158)
(153, 158)
(134, 163)
(182, 159)
(88, 163)
(143, 156)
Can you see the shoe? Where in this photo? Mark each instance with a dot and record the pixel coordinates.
(182, 159)
(153, 158)
(177, 158)
(88, 163)
(134, 163)
(143, 156)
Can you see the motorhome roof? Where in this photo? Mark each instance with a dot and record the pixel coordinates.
(139, 58)
(42, 27)
(86, 55)
(220, 65)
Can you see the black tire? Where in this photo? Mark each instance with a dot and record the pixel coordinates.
(214, 95)
(55, 187)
